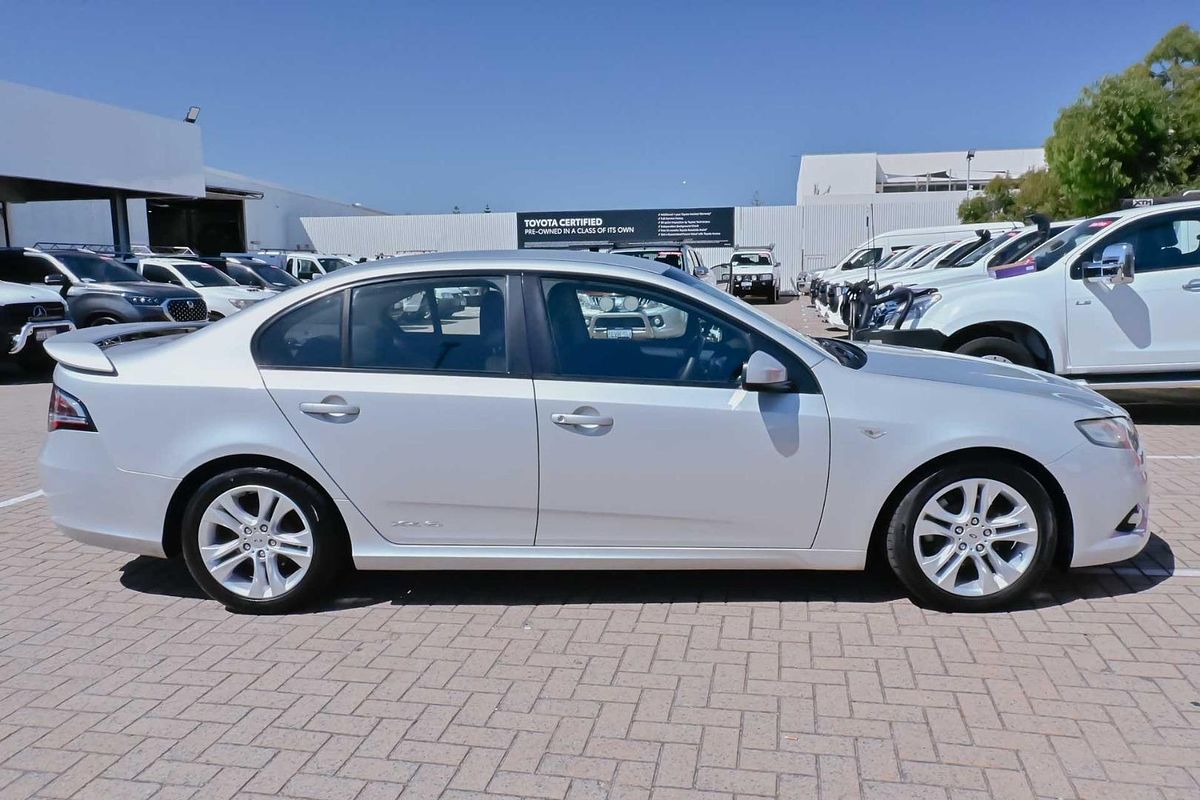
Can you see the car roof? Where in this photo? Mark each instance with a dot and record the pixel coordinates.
(583, 262)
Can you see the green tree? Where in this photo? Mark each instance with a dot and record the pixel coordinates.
(1134, 133)
(1016, 198)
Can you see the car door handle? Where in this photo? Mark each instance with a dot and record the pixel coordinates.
(581, 419)
(1192, 285)
(329, 409)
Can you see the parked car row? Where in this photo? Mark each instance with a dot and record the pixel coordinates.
(54, 287)
(1110, 300)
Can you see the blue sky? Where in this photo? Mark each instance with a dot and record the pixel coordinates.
(421, 106)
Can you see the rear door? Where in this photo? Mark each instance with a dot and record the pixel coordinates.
(647, 440)
(424, 417)
(1151, 322)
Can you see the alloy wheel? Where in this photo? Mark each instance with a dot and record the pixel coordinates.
(256, 542)
(975, 537)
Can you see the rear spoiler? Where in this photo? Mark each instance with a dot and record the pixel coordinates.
(83, 349)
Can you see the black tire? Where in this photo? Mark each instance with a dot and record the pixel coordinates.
(901, 549)
(103, 319)
(999, 348)
(330, 553)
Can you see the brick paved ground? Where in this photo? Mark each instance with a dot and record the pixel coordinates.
(118, 681)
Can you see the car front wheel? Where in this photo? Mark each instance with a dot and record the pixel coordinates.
(973, 536)
(995, 348)
(261, 541)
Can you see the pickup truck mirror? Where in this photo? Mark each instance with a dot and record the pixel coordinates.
(1116, 265)
(701, 272)
(57, 279)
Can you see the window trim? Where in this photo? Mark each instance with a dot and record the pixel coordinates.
(545, 360)
(515, 340)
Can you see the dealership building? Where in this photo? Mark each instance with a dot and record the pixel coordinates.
(73, 170)
(841, 200)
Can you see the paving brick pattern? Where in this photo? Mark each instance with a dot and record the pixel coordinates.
(117, 680)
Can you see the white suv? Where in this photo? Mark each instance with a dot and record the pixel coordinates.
(1111, 301)
(222, 294)
(29, 315)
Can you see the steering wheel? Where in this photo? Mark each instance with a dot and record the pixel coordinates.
(693, 352)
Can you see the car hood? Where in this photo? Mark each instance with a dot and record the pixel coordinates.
(21, 293)
(235, 293)
(163, 291)
(926, 365)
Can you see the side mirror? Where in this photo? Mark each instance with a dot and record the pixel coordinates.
(1115, 265)
(764, 373)
(702, 272)
(57, 279)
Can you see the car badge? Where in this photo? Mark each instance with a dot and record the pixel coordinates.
(874, 433)
(39, 311)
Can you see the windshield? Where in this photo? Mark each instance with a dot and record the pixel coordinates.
(863, 258)
(672, 258)
(97, 269)
(979, 252)
(273, 275)
(932, 255)
(1067, 241)
(751, 260)
(330, 264)
(204, 275)
(905, 257)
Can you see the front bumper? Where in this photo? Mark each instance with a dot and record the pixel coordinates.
(1102, 486)
(925, 338)
(93, 501)
(748, 284)
(31, 333)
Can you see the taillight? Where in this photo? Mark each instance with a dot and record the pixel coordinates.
(68, 413)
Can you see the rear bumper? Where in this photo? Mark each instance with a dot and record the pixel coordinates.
(94, 502)
(926, 338)
(27, 334)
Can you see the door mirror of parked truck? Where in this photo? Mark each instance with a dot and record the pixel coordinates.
(57, 279)
(1115, 265)
(701, 272)
(764, 373)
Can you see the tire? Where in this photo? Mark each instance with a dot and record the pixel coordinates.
(256, 562)
(996, 348)
(1015, 559)
(103, 319)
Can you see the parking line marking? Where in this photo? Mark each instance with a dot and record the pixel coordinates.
(12, 501)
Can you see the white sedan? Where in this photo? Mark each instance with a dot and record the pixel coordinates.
(327, 426)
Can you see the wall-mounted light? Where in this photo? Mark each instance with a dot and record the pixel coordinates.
(193, 114)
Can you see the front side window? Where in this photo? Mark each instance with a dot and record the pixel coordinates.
(1169, 241)
(439, 325)
(306, 337)
(603, 330)
(20, 268)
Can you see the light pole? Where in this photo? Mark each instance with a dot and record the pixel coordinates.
(970, 157)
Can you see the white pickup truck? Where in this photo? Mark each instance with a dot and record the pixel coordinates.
(1112, 301)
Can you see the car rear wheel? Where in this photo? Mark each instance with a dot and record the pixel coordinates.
(261, 541)
(972, 537)
(995, 348)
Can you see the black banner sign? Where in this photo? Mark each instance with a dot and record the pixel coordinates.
(701, 226)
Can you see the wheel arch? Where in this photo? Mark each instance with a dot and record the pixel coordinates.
(1065, 546)
(1020, 332)
(173, 519)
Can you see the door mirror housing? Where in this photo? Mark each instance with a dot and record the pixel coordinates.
(764, 373)
(701, 272)
(1116, 265)
(57, 279)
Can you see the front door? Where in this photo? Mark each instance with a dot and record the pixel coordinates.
(1151, 322)
(647, 440)
(413, 407)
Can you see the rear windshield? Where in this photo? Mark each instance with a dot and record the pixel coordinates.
(98, 269)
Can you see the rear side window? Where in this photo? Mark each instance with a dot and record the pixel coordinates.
(308, 337)
(21, 268)
(443, 325)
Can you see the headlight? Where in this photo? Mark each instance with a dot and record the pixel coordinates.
(143, 300)
(240, 304)
(918, 309)
(1110, 432)
(766, 276)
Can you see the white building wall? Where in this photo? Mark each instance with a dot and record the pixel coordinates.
(81, 221)
(275, 220)
(368, 237)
